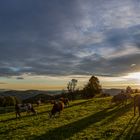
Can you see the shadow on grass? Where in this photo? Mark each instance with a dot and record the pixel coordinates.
(69, 130)
(133, 133)
(119, 112)
(9, 130)
(22, 117)
(5, 111)
(121, 134)
(80, 103)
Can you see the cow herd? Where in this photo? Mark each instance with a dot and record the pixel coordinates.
(60, 104)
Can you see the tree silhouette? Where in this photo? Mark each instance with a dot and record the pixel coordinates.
(129, 90)
(92, 88)
(72, 85)
(71, 88)
(9, 100)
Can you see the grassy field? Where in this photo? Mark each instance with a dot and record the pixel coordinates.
(82, 120)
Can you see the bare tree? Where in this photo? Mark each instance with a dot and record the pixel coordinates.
(72, 85)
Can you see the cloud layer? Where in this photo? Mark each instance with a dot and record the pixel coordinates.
(76, 37)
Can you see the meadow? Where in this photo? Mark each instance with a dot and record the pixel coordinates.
(83, 120)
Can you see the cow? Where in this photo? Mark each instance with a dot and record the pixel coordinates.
(121, 98)
(38, 102)
(24, 107)
(136, 103)
(58, 106)
(65, 101)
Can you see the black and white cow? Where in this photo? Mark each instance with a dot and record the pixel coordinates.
(24, 107)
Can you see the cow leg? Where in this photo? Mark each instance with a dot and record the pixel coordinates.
(27, 112)
(18, 114)
(33, 111)
(59, 113)
(134, 109)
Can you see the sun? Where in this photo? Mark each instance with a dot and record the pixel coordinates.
(135, 75)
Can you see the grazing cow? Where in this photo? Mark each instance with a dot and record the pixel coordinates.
(38, 102)
(121, 98)
(24, 107)
(65, 101)
(57, 108)
(136, 104)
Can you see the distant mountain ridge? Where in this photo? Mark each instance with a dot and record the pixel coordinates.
(27, 93)
(30, 94)
(112, 91)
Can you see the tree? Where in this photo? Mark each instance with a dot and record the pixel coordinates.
(2, 100)
(136, 91)
(129, 90)
(9, 100)
(72, 85)
(92, 88)
(71, 88)
(17, 100)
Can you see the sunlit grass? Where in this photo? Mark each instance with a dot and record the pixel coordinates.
(84, 119)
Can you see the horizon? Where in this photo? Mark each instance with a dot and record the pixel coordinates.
(45, 44)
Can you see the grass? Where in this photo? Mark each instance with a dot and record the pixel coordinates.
(82, 120)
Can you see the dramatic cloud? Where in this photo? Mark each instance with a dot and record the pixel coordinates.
(75, 37)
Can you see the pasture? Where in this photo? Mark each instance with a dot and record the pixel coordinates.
(82, 120)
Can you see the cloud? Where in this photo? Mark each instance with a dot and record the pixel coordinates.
(1, 83)
(69, 37)
(20, 78)
(133, 65)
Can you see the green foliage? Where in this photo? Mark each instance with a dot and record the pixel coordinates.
(92, 88)
(9, 100)
(17, 100)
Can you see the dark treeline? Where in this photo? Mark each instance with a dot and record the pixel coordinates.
(9, 101)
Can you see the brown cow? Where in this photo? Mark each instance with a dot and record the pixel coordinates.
(65, 101)
(136, 104)
(57, 108)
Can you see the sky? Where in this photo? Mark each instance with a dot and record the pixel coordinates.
(46, 43)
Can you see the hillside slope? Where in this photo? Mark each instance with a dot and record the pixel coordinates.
(83, 119)
(25, 94)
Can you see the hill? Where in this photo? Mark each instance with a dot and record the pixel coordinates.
(44, 98)
(82, 120)
(27, 93)
(112, 91)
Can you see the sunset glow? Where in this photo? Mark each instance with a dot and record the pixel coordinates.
(135, 75)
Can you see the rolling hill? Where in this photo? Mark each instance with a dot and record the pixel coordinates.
(27, 93)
